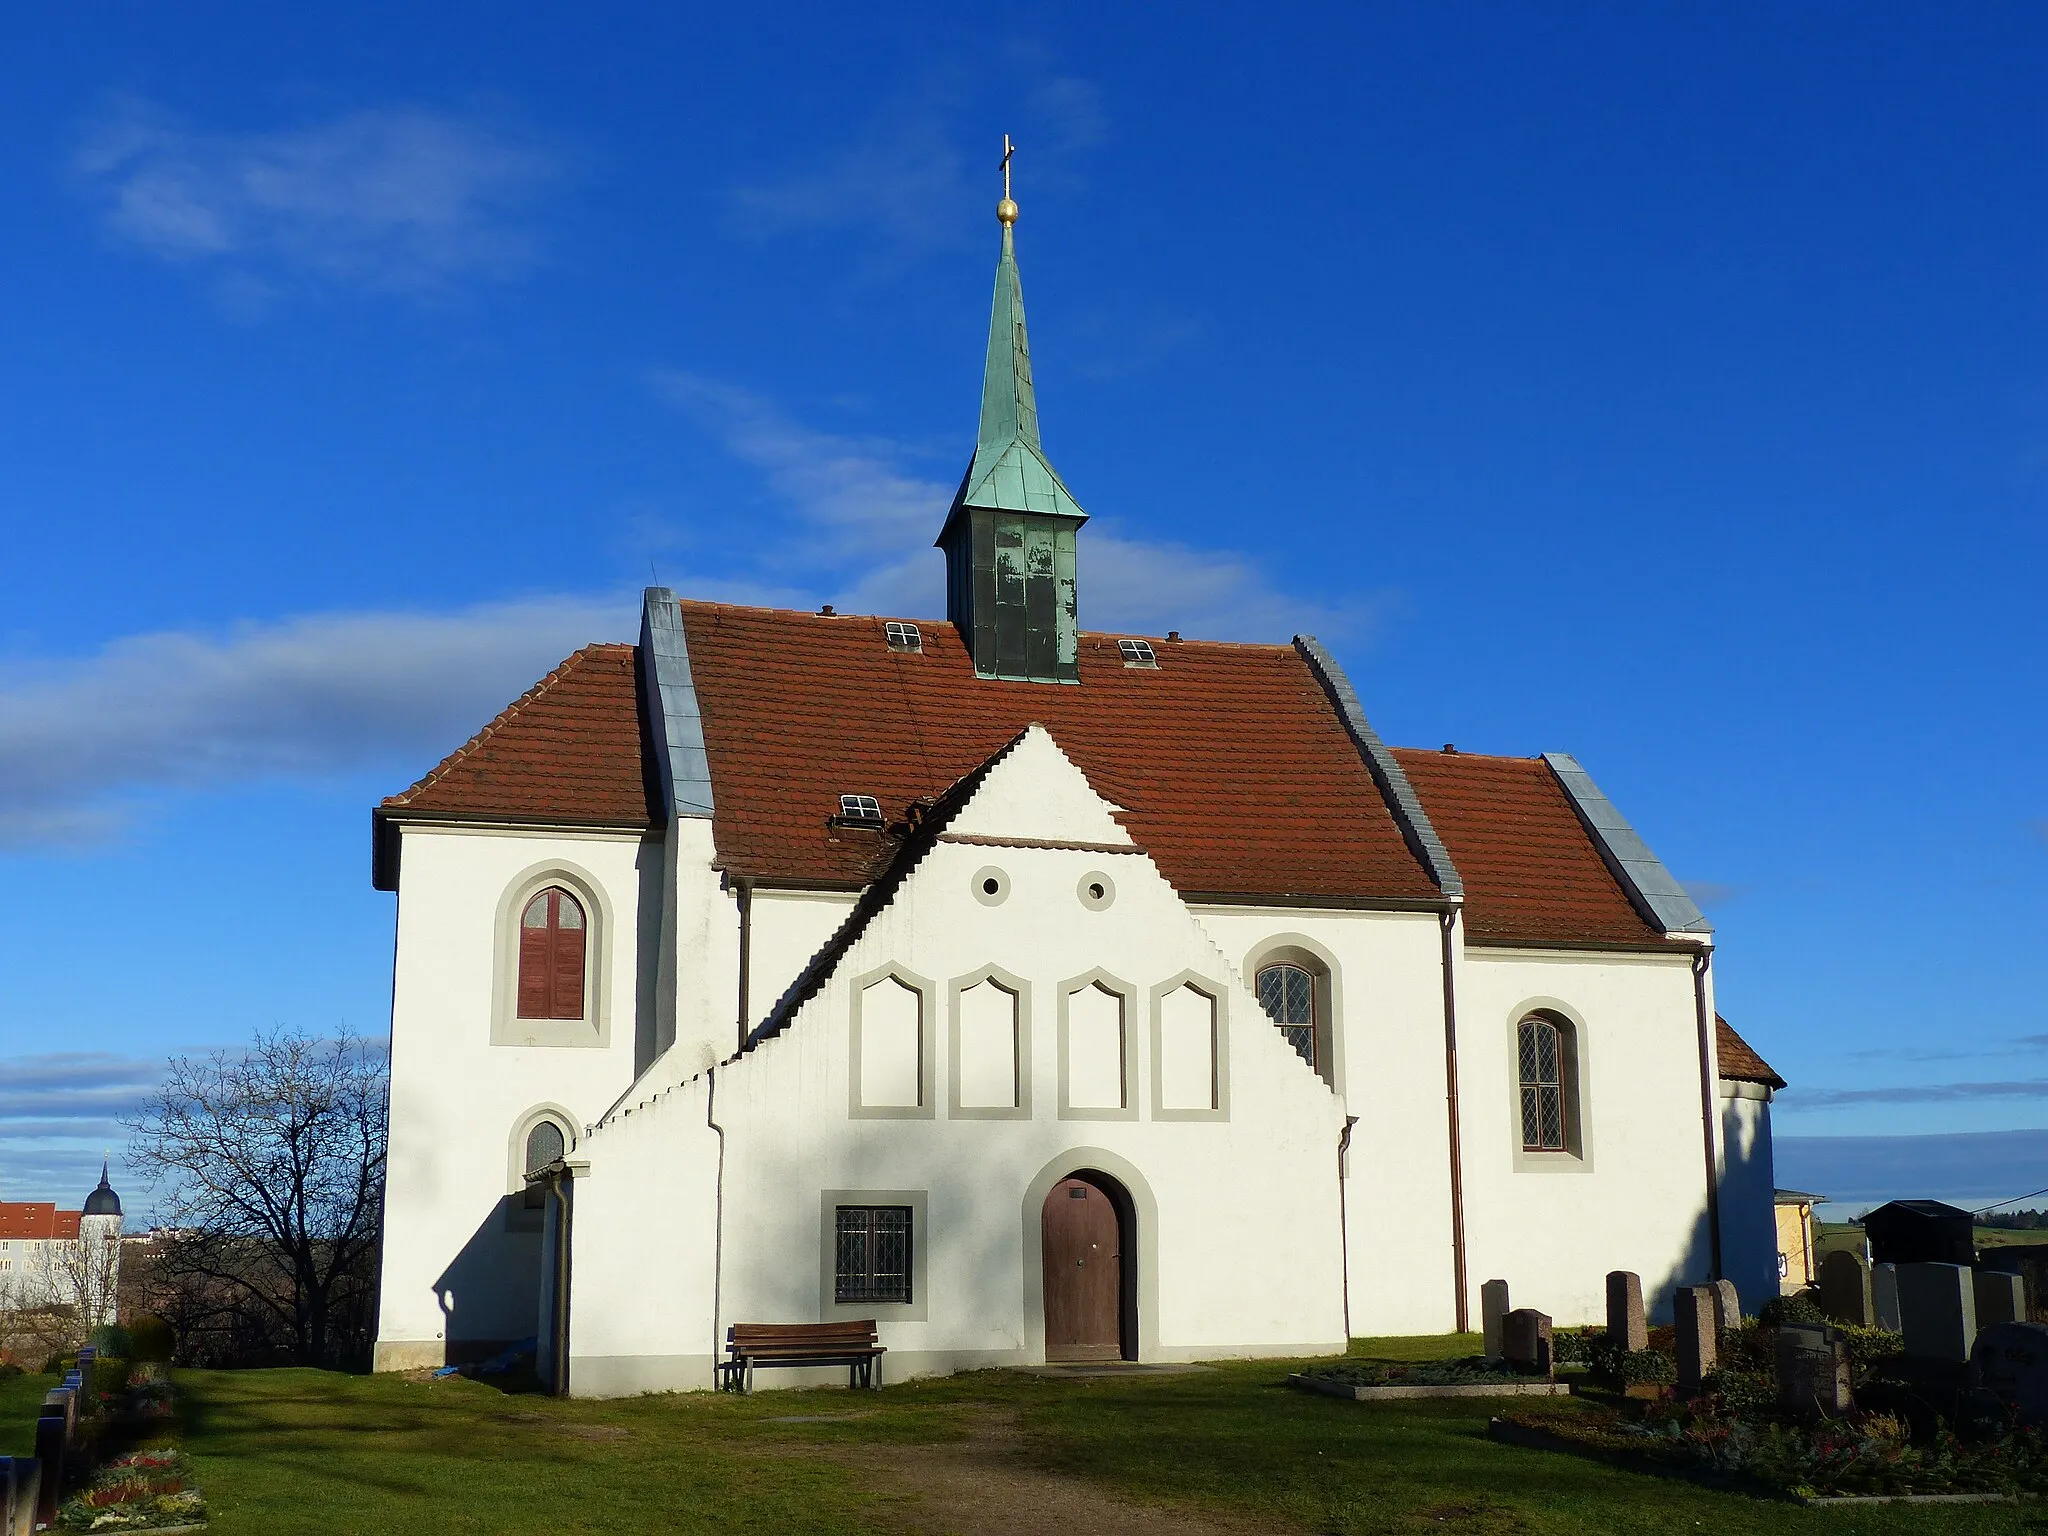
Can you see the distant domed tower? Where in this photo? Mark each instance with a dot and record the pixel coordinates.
(99, 1234)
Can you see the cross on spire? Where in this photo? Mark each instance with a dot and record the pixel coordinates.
(1006, 210)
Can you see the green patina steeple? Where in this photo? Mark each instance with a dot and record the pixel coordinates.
(1009, 537)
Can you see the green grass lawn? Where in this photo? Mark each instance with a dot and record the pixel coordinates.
(293, 1451)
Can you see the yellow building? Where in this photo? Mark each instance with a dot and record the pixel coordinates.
(1797, 1265)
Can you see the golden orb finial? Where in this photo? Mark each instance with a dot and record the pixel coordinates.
(1006, 210)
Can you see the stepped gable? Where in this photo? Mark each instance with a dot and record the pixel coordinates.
(1739, 1061)
(1532, 875)
(1232, 769)
(571, 750)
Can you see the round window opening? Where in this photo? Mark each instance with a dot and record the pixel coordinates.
(1096, 890)
(991, 886)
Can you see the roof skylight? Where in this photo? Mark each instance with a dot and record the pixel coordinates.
(1137, 653)
(903, 637)
(860, 808)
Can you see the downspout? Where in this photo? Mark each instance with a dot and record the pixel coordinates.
(1448, 922)
(717, 1220)
(745, 893)
(1344, 1216)
(562, 1186)
(1700, 962)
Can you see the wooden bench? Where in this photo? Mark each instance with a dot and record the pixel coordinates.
(852, 1345)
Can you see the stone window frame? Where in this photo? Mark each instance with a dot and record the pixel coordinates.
(1219, 998)
(1133, 1089)
(1577, 1155)
(1021, 989)
(594, 1030)
(927, 1032)
(518, 1216)
(1299, 949)
(918, 1308)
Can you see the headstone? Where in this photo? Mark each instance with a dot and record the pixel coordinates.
(1812, 1371)
(28, 1484)
(1727, 1310)
(51, 1441)
(1692, 1309)
(1845, 1288)
(1626, 1324)
(1526, 1342)
(1938, 1311)
(2010, 1361)
(63, 1401)
(1884, 1295)
(2001, 1297)
(1493, 1306)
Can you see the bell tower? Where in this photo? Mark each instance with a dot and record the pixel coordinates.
(1009, 537)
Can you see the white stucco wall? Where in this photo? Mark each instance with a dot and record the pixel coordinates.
(1237, 1246)
(1389, 1068)
(1553, 1225)
(1749, 1234)
(452, 1271)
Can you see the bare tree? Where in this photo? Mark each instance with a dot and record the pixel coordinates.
(269, 1164)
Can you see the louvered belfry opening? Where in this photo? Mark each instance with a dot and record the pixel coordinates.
(552, 932)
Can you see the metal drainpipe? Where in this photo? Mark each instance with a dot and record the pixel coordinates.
(717, 1219)
(1344, 1216)
(1700, 962)
(561, 1186)
(746, 899)
(1448, 921)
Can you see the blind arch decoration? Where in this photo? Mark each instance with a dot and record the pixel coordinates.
(553, 934)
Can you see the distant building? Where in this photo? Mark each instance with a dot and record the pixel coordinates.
(53, 1258)
(1798, 1266)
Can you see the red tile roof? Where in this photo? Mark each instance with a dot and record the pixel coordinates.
(571, 749)
(1739, 1062)
(33, 1219)
(1532, 876)
(1232, 768)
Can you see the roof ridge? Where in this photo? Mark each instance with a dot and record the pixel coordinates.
(503, 718)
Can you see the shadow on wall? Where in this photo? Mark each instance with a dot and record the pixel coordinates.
(490, 1291)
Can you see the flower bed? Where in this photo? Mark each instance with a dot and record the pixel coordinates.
(143, 1490)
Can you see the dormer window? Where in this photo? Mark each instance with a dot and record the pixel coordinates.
(903, 637)
(860, 808)
(1138, 653)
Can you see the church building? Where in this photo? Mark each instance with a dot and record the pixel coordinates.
(1039, 993)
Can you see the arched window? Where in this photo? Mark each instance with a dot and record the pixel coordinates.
(1550, 1089)
(551, 950)
(1288, 994)
(545, 1144)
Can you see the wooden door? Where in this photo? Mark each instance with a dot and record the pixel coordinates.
(1084, 1274)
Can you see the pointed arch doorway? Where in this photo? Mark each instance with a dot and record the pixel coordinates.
(1088, 1250)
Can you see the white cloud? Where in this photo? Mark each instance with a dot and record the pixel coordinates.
(880, 519)
(398, 198)
(304, 697)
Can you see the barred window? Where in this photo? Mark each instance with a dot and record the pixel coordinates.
(1546, 1071)
(874, 1254)
(1288, 994)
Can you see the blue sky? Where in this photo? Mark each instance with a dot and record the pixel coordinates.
(1667, 385)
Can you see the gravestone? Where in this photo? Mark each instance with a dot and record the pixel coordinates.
(2010, 1361)
(1626, 1324)
(1884, 1295)
(1526, 1342)
(1692, 1309)
(1727, 1310)
(63, 1402)
(52, 1439)
(1493, 1306)
(1938, 1310)
(28, 1484)
(1812, 1371)
(2001, 1297)
(1845, 1289)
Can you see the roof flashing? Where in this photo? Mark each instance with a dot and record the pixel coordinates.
(1655, 892)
